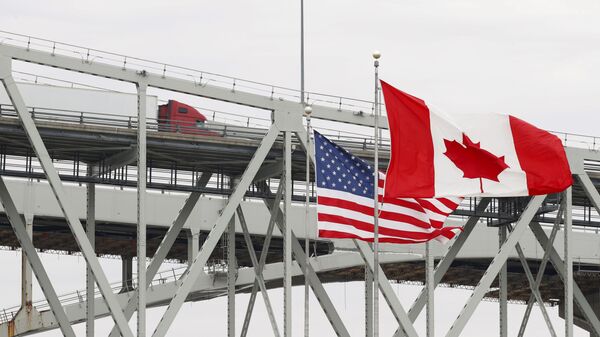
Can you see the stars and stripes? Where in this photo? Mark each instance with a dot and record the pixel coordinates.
(345, 202)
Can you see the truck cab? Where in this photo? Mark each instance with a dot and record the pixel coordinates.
(182, 118)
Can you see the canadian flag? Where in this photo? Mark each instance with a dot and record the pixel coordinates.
(468, 155)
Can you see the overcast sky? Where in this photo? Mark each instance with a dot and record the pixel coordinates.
(538, 60)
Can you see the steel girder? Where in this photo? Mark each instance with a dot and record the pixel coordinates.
(495, 266)
(159, 293)
(186, 86)
(57, 188)
(34, 260)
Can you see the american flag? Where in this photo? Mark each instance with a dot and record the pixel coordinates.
(345, 203)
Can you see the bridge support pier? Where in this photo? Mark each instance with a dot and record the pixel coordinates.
(193, 245)
(55, 183)
(503, 287)
(231, 275)
(34, 260)
(90, 228)
(126, 273)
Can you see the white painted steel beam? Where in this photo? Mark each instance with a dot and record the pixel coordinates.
(559, 266)
(90, 228)
(503, 288)
(287, 237)
(186, 86)
(534, 287)
(430, 285)
(34, 260)
(590, 190)
(446, 262)
(309, 271)
(568, 262)
(166, 244)
(159, 294)
(263, 258)
(231, 275)
(141, 209)
(490, 274)
(54, 180)
(115, 162)
(258, 271)
(189, 278)
(541, 270)
(386, 289)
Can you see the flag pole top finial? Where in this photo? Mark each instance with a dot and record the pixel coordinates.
(376, 54)
(307, 110)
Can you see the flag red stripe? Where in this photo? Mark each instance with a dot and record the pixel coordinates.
(368, 227)
(447, 202)
(343, 235)
(447, 232)
(387, 215)
(412, 145)
(542, 157)
(401, 202)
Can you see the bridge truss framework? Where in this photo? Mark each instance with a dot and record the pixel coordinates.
(286, 121)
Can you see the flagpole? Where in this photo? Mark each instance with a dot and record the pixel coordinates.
(307, 112)
(376, 56)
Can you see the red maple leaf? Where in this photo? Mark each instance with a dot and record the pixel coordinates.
(474, 161)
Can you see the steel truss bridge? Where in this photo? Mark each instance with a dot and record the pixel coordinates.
(231, 206)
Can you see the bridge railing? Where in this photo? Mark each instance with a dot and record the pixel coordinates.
(353, 140)
(79, 296)
(199, 77)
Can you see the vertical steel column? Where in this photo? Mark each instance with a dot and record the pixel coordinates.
(53, 178)
(193, 245)
(287, 239)
(26, 276)
(166, 244)
(534, 288)
(189, 278)
(317, 288)
(36, 264)
(445, 263)
(141, 209)
(386, 289)
(126, 273)
(540, 274)
(559, 266)
(90, 227)
(307, 112)
(231, 273)
(430, 285)
(492, 271)
(503, 287)
(258, 273)
(568, 263)
(368, 302)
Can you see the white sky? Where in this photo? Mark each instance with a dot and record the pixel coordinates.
(537, 60)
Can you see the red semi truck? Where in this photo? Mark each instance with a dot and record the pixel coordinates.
(62, 102)
(182, 118)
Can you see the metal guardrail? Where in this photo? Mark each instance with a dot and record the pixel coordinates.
(199, 77)
(90, 55)
(353, 140)
(79, 296)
